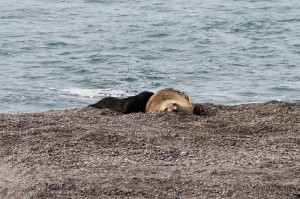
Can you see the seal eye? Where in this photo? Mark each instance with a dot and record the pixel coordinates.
(166, 109)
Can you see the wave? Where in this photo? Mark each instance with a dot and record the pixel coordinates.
(91, 93)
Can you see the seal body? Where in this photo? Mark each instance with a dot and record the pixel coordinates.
(170, 100)
(132, 104)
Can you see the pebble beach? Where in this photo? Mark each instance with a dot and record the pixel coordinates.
(239, 151)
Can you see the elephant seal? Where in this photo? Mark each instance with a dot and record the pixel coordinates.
(170, 100)
(132, 104)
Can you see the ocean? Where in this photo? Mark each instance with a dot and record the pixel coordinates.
(61, 54)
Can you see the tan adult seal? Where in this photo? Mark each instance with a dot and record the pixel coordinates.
(170, 100)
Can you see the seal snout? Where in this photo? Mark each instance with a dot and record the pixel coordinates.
(172, 107)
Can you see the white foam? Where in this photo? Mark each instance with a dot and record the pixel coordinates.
(91, 93)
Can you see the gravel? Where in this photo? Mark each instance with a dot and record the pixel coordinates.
(241, 151)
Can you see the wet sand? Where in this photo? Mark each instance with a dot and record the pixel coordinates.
(242, 151)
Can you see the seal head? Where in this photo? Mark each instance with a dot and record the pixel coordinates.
(170, 100)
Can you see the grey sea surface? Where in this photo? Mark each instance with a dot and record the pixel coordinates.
(62, 54)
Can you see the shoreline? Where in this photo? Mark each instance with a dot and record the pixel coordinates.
(236, 151)
(195, 103)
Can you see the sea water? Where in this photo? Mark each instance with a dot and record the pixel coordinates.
(59, 54)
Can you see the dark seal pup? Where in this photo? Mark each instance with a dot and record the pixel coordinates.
(132, 104)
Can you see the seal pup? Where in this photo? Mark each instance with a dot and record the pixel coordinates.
(132, 104)
(170, 100)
